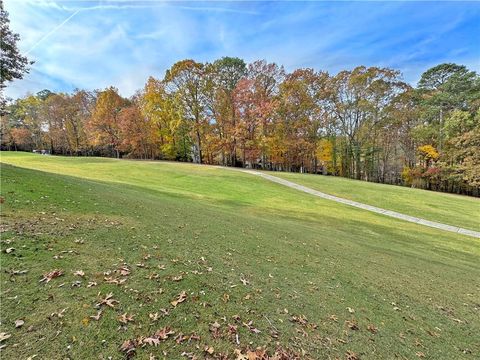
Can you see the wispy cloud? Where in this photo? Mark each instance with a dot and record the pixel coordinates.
(94, 44)
(56, 28)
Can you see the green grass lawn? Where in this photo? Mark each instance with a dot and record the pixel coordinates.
(261, 265)
(457, 210)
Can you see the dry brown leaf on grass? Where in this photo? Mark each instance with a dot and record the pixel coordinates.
(209, 350)
(152, 341)
(164, 333)
(244, 282)
(156, 338)
(250, 327)
(153, 316)
(125, 318)
(124, 271)
(352, 324)
(16, 272)
(98, 316)
(180, 298)
(59, 314)
(112, 280)
(4, 336)
(19, 323)
(215, 330)
(129, 347)
(51, 275)
(300, 319)
(108, 301)
(372, 328)
(350, 355)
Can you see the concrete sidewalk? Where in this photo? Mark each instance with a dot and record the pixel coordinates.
(374, 209)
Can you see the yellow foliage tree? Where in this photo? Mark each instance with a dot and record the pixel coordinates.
(325, 154)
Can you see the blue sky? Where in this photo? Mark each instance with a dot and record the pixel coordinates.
(95, 44)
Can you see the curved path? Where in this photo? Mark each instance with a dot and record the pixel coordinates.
(374, 209)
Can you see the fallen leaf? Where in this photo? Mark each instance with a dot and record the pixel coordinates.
(17, 272)
(372, 328)
(129, 347)
(125, 318)
(19, 323)
(79, 273)
(151, 341)
(97, 317)
(350, 355)
(108, 300)
(215, 330)
(51, 275)
(4, 336)
(124, 271)
(153, 317)
(181, 298)
(352, 324)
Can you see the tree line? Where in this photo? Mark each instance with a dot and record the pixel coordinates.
(365, 123)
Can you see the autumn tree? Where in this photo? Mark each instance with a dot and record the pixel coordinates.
(185, 81)
(104, 124)
(169, 127)
(136, 132)
(223, 77)
(359, 102)
(301, 117)
(257, 97)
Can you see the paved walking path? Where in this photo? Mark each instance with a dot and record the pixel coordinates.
(374, 209)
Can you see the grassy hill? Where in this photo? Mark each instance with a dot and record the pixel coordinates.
(257, 264)
(456, 210)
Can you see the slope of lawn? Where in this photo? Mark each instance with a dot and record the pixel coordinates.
(457, 210)
(253, 263)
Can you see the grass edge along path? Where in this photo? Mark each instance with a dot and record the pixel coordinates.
(363, 206)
